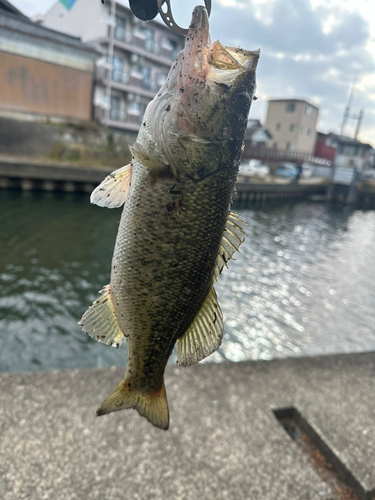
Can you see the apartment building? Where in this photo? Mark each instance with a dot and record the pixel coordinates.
(136, 56)
(292, 124)
(43, 73)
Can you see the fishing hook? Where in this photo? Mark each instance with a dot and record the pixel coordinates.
(168, 16)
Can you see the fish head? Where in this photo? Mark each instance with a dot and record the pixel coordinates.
(200, 114)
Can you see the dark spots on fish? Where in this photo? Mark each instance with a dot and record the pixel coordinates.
(182, 90)
(104, 301)
(168, 108)
(102, 336)
(215, 317)
(255, 98)
(173, 205)
(144, 124)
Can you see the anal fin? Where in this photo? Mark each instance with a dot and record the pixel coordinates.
(204, 335)
(100, 321)
(113, 191)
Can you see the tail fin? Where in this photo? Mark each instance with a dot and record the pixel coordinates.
(152, 405)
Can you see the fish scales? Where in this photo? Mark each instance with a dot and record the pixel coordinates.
(176, 231)
(166, 293)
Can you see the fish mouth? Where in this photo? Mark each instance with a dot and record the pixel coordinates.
(194, 64)
(202, 62)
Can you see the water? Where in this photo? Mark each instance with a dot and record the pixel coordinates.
(302, 285)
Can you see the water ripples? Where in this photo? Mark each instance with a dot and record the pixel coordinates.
(303, 283)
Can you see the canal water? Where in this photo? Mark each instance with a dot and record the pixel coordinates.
(303, 283)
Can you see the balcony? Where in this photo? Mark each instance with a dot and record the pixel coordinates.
(139, 40)
(120, 76)
(133, 82)
(117, 115)
(124, 119)
(136, 44)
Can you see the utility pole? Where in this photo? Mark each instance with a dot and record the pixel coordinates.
(347, 109)
(360, 116)
(112, 23)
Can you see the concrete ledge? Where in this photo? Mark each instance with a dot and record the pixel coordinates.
(224, 440)
(33, 169)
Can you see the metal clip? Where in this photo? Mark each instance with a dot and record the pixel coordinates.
(168, 16)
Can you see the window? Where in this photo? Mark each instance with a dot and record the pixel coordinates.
(275, 145)
(117, 69)
(290, 107)
(120, 28)
(291, 127)
(173, 45)
(161, 79)
(145, 71)
(304, 129)
(150, 44)
(278, 126)
(115, 113)
(309, 131)
(288, 146)
(308, 110)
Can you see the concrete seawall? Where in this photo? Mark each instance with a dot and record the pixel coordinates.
(229, 438)
(32, 174)
(26, 174)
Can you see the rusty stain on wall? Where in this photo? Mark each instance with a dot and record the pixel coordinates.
(34, 86)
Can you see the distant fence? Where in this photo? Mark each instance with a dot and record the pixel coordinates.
(278, 155)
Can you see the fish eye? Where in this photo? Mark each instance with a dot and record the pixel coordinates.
(243, 99)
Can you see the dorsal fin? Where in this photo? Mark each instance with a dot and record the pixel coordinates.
(233, 237)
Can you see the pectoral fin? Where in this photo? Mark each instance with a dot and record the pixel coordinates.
(204, 335)
(100, 321)
(113, 191)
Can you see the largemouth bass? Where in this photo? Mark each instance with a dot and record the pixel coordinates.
(176, 231)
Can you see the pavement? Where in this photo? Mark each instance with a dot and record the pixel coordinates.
(224, 440)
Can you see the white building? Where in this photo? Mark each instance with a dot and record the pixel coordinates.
(353, 153)
(136, 56)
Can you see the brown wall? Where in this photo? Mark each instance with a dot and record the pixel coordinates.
(29, 85)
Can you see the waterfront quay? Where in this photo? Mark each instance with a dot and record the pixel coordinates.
(30, 174)
(292, 429)
(48, 176)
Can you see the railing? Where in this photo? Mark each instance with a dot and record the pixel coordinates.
(120, 76)
(127, 78)
(270, 154)
(138, 40)
(118, 115)
(123, 35)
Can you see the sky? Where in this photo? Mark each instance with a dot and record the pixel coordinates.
(310, 49)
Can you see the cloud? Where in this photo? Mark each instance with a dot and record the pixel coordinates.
(310, 49)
